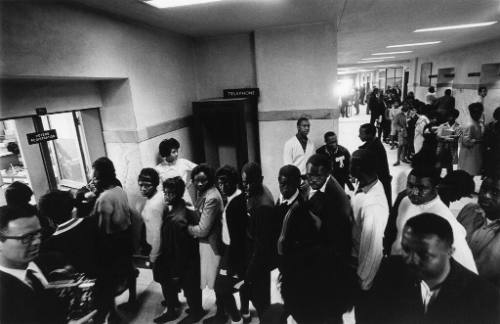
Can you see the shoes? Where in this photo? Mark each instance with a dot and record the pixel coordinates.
(218, 318)
(247, 317)
(170, 315)
(194, 317)
(396, 164)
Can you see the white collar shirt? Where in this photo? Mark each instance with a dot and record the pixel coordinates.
(21, 273)
(428, 294)
(322, 189)
(225, 230)
(290, 200)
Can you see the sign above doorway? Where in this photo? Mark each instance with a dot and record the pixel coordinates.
(41, 137)
(241, 93)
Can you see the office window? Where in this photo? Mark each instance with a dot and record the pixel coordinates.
(68, 153)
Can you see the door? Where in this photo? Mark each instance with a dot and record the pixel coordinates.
(63, 163)
(68, 154)
(226, 131)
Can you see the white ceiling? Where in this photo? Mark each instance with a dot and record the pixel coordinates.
(365, 26)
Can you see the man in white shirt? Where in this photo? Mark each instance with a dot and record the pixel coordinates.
(371, 212)
(232, 265)
(152, 210)
(426, 285)
(299, 148)
(423, 198)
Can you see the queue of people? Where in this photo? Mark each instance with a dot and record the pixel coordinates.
(411, 261)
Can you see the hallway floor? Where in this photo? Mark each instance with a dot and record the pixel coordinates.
(149, 292)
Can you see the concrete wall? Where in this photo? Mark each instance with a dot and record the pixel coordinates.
(149, 74)
(223, 63)
(21, 97)
(146, 79)
(296, 71)
(294, 67)
(465, 60)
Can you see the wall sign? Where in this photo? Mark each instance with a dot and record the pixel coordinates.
(41, 137)
(241, 93)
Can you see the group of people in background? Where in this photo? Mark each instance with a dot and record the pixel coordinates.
(407, 261)
(413, 126)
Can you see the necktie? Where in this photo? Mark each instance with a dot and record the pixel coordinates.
(33, 280)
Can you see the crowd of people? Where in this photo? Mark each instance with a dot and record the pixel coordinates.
(413, 126)
(407, 261)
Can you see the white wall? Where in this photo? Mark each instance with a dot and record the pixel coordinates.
(296, 70)
(465, 60)
(55, 40)
(147, 75)
(224, 62)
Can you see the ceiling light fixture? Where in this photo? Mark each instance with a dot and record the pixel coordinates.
(414, 44)
(483, 24)
(392, 53)
(377, 58)
(162, 4)
(373, 61)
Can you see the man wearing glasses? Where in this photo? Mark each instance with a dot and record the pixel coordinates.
(23, 297)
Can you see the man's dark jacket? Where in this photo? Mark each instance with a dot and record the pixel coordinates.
(341, 161)
(20, 304)
(236, 218)
(333, 208)
(464, 297)
(179, 250)
(76, 242)
(261, 236)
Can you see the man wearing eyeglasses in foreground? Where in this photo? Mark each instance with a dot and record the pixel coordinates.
(23, 297)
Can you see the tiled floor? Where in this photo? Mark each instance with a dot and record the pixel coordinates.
(149, 292)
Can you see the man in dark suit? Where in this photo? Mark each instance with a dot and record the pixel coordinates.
(373, 144)
(232, 265)
(303, 276)
(330, 207)
(75, 239)
(261, 234)
(426, 285)
(23, 294)
(444, 105)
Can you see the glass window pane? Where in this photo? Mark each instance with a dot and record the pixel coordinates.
(65, 151)
(12, 166)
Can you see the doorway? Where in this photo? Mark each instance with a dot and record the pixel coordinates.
(63, 163)
(226, 132)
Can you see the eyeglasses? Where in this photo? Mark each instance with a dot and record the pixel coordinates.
(25, 239)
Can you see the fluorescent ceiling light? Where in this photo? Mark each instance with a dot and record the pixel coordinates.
(377, 58)
(374, 61)
(392, 53)
(487, 23)
(414, 44)
(161, 4)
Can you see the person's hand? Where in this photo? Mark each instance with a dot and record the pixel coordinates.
(89, 195)
(86, 319)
